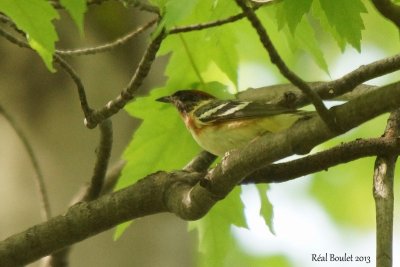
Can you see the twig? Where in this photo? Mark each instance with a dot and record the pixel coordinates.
(14, 40)
(126, 95)
(92, 118)
(68, 68)
(383, 194)
(219, 22)
(358, 76)
(389, 10)
(108, 46)
(206, 25)
(103, 156)
(286, 171)
(326, 116)
(112, 177)
(78, 82)
(192, 60)
(46, 212)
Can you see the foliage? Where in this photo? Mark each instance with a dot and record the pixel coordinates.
(210, 59)
(35, 18)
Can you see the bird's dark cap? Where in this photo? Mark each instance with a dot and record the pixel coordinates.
(185, 96)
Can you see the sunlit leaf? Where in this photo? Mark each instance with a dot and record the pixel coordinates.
(291, 12)
(34, 17)
(77, 9)
(343, 19)
(266, 210)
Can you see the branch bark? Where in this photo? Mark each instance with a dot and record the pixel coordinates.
(286, 171)
(383, 194)
(292, 97)
(127, 94)
(389, 10)
(180, 192)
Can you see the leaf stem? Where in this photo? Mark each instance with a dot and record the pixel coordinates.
(191, 59)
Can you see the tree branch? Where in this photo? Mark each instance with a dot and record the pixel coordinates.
(289, 96)
(108, 46)
(92, 118)
(180, 192)
(276, 59)
(201, 162)
(286, 171)
(389, 10)
(89, 218)
(126, 95)
(78, 82)
(298, 140)
(65, 66)
(103, 156)
(383, 194)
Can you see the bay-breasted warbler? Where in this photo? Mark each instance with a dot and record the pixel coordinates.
(219, 126)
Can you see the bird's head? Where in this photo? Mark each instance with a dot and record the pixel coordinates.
(186, 100)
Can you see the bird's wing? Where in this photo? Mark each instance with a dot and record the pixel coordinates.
(226, 110)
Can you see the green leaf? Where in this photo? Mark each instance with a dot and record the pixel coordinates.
(343, 19)
(306, 40)
(172, 12)
(303, 39)
(222, 51)
(77, 9)
(34, 17)
(161, 134)
(291, 12)
(195, 51)
(266, 210)
(216, 242)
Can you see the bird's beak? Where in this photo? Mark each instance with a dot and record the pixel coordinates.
(164, 99)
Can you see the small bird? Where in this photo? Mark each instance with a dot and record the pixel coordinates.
(219, 126)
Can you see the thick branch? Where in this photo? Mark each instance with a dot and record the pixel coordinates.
(298, 140)
(383, 194)
(201, 162)
(389, 10)
(286, 171)
(180, 192)
(89, 218)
